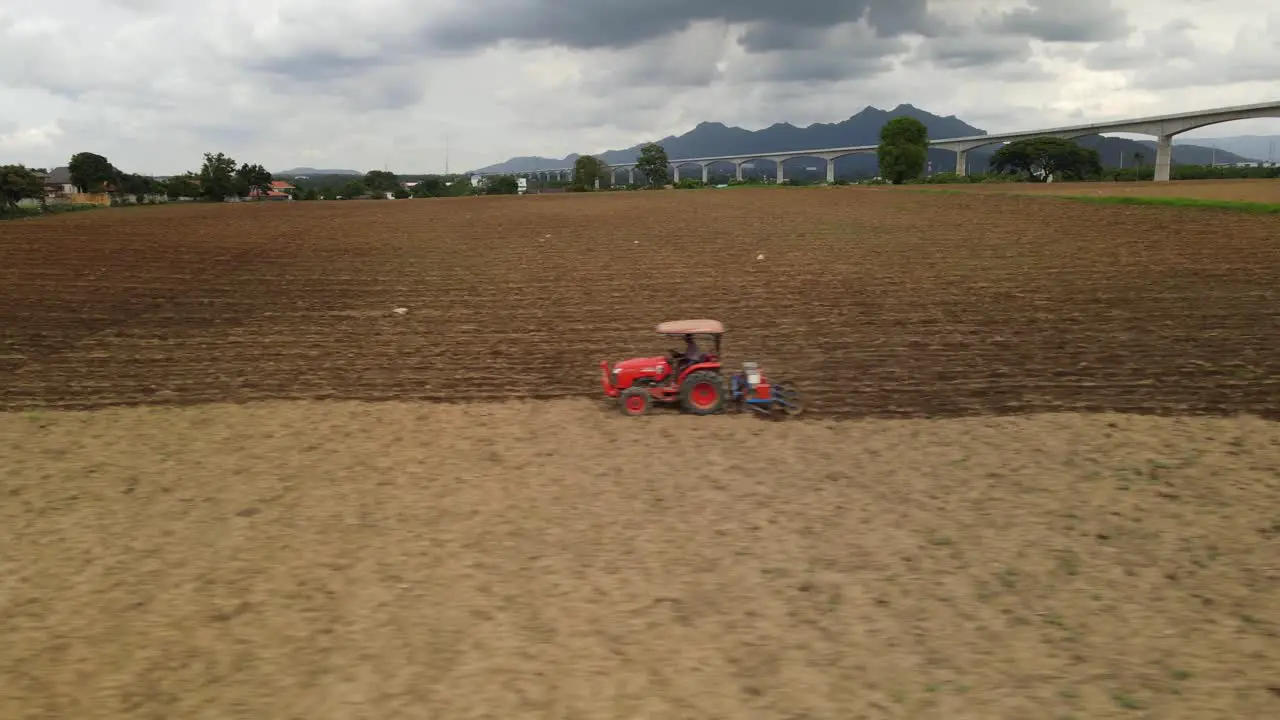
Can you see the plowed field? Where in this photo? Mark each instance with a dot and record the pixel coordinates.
(310, 558)
(877, 303)
(1266, 191)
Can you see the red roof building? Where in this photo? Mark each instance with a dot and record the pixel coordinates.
(280, 190)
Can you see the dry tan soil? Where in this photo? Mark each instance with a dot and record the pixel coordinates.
(554, 560)
(253, 543)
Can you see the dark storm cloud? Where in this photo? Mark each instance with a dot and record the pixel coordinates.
(762, 37)
(595, 24)
(368, 82)
(1062, 21)
(841, 53)
(315, 65)
(973, 50)
(1170, 41)
(816, 68)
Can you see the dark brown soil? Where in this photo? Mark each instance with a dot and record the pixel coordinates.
(1266, 191)
(877, 303)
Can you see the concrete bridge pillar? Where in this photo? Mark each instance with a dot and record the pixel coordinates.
(596, 184)
(631, 176)
(962, 162)
(706, 167)
(738, 169)
(831, 171)
(780, 177)
(1164, 158)
(676, 174)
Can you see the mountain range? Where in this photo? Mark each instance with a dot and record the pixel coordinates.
(295, 172)
(1259, 147)
(711, 139)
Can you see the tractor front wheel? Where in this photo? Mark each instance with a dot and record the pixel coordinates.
(703, 393)
(634, 401)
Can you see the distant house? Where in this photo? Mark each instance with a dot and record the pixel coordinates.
(57, 183)
(280, 190)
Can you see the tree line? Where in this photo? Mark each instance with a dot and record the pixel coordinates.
(220, 177)
(904, 144)
(378, 184)
(902, 156)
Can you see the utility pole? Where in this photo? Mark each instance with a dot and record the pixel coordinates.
(446, 155)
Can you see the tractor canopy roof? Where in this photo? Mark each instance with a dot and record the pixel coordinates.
(691, 327)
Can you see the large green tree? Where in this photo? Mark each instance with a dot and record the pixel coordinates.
(430, 187)
(459, 186)
(1043, 157)
(381, 181)
(91, 172)
(903, 150)
(588, 170)
(185, 185)
(653, 164)
(218, 178)
(501, 185)
(138, 184)
(19, 183)
(353, 189)
(252, 177)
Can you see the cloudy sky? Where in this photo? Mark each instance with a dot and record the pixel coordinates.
(361, 84)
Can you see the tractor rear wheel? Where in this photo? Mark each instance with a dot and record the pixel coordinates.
(703, 393)
(634, 401)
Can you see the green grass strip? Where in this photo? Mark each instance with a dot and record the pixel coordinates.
(1262, 208)
(1257, 208)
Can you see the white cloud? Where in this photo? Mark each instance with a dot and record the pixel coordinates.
(41, 137)
(154, 84)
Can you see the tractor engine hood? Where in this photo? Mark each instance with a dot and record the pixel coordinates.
(642, 366)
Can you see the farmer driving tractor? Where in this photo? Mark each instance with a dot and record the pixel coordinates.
(691, 353)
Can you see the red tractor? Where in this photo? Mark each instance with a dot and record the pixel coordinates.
(694, 379)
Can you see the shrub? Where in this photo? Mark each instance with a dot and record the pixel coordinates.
(13, 212)
(16, 212)
(948, 178)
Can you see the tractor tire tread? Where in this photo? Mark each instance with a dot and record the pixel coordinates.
(700, 376)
